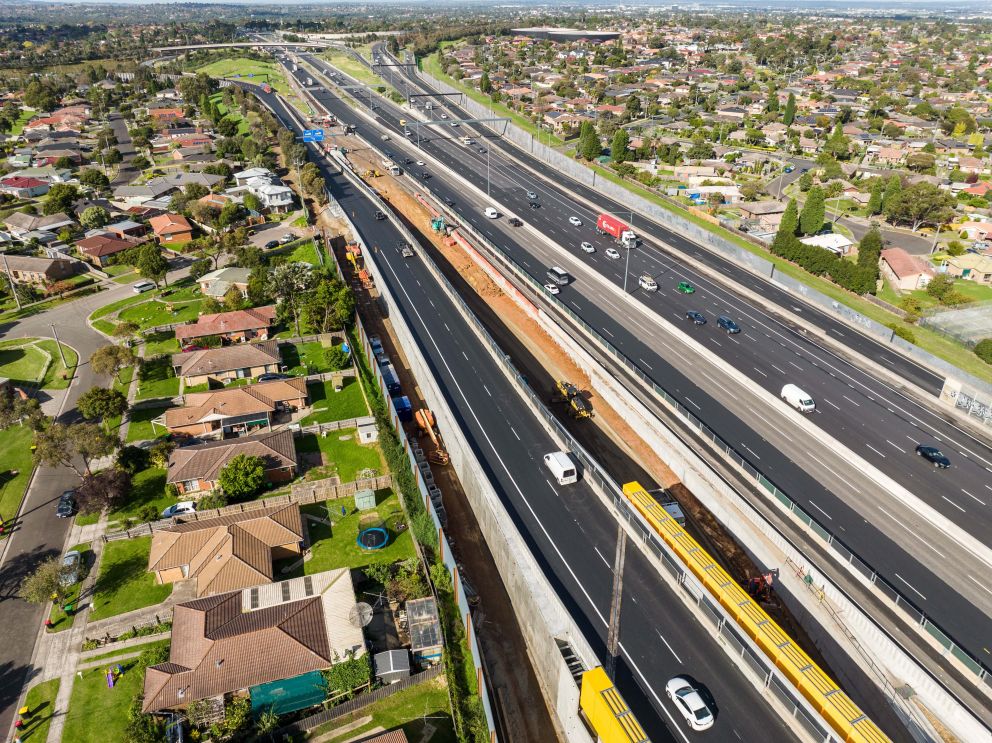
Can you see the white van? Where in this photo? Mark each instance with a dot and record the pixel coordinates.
(798, 399)
(647, 283)
(491, 213)
(561, 467)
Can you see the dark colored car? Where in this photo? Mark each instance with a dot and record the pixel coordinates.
(727, 324)
(408, 161)
(515, 222)
(272, 244)
(449, 202)
(933, 455)
(425, 176)
(67, 505)
(534, 205)
(380, 216)
(697, 317)
(272, 376)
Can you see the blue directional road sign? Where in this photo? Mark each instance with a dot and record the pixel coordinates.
(313, 135)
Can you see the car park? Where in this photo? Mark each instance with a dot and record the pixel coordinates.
(575, 221)
(686, 288)
(72, 561)
(613, 254)
(551, 288)
(690, 703)
(933, 455)
(588, 247)
(143, 286)
(647, 283)
(179, 509)
(66, 506)
(727, 324)
(698, 318)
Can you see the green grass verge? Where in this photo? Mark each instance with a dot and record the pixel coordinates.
(162, 342)
(124, 583)
(121, 651)
(147, 489)
(341, 455)
(122, 382)
(157, 312)
(59, 375)
(15, 443)
(242, 122)
(156, 378)
(263, 72)
(22, 365)
(140, 426)
(351, 66)
(329, 405)
(422, 712)
(40, 702)
(59, 618)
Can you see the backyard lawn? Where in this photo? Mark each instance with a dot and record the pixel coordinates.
(40, 702)
(124, 583)
(422, 711)
(304, 252)
(147, 489)
(15, 443)
(140, 427)
(303, 358)
(341, 453)
(329, 405)
(156, 378)
(164, 341)
(61, 620)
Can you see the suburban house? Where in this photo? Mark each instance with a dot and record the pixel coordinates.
(765, 214)
(171, 229)
(265, 185)
(217, 283)
(27, 269)
(23, 187)
(970, 266)
(240, 361)
(903, 271)
(21, 224)
(127, 228)
(229, 643)
(835, 242)
(196, 469)
(238, 326)
(100, 248)
(237, 410)
(229, 552)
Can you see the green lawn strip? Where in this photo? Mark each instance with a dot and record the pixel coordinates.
(58, 617)
(59, 375)
(18, 125)
(140, 428)
(412, 709)
(303, 358)
(162, 342)
(156, 378)
(432, 65)
(335, 546)
(351, 66)
(126, 278)
(97, 713)
(147, 489)
(87, 519)
(122, 382)
(218, 100)
(156, 312)
(243, 67)
(122, 651)
(329, 405)
(124, 583)
(15, 445)
(304, 252)
(343, 455)
(118, 269)
(22, 365)
(40, 702)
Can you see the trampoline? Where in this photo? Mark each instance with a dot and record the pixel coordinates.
(374, 538)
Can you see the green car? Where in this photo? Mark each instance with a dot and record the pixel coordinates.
(686, 288)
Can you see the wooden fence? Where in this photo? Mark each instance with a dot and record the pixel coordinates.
(319, 428)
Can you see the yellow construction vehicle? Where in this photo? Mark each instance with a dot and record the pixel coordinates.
(427, 427)
(568, 393)
(371, 173)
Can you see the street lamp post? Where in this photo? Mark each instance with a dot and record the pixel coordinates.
(58, 343)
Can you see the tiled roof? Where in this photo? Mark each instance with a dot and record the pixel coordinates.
(214, 360)
(205, 461)
(255, 398)
(166, 224)
(228, 322)
(903, 264)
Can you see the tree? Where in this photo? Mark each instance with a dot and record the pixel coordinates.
(892, 189)
(790, 219)
(94, 179)
(336, 358)
(814, 212)
(619, 145)
(126, 330)
(789, 114)
(267, 723)
(920, 161)
(290, 282)
(940, 286)
(227, 127)
(806, 181)
(94, 217)
(22, 411)
(110, 360)
(152, 264)
(199, 267)
(66, 444)
(112, 156)
(45, 584)
(101, 403)
(837, 145)
(589, 146)
(252, 203)
(485, 85)
(983, 350)
(875, 201)
(700, 149)
(107, 488)
(230, 213)
(919, 204)
(60, 198)
(242, 477)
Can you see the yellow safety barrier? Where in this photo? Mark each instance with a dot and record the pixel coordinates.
(606, 710)
(843, 715)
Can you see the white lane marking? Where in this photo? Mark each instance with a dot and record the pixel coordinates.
(796, 365)
(717, 342)
(980, 584)
(750, 450)
(688, 400)
(780, 371)
(487, 390)
(446, 327)
(911, 586)
(465, 355)
(953, 504)
(894, 446)
(576, 305)
(833, 405)
(876, 451)
(913, 532)
(668, 646)
(821, 510)
(856, 404)
(514, 432)
(973, 496)
(760, 372)
(608, 333)
(605, 561)
(646, 363)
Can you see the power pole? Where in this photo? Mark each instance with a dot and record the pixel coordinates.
(58, 343)
(613, 634)
(10, 280)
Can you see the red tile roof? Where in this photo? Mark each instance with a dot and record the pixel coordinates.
(169, 224)
(228, 322)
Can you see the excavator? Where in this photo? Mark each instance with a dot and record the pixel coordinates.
(427, 427)
(371, 173)
(570, 394)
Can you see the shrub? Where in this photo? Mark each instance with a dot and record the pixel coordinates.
(905, 333)
(214, 499)
(983, 350)
(132, 459)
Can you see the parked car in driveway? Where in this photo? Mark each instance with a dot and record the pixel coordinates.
(272, 244)
(933, 455)
(66, 506)
(72, 561)
(272, 376)
(178, 509)
(690, 703)
(698, 318)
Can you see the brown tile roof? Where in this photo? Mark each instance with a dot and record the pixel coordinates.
(100, 245)
(904, 265)
(214, 360)
(393, 736)
(205, 461)
(221, 644)
(228, 322)
(255, 398)
(167, 224)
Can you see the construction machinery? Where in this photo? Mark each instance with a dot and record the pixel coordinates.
(427, 427)
(437, 223)
(371, 173)
(568, 393)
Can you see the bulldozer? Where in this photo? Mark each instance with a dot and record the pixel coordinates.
(371, 173)
(427, 427)
(568, 393)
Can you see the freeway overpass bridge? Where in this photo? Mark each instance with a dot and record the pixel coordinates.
(245, 45)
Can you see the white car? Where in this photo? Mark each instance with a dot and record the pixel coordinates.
(491, 213)
(647, 283)
(420, 163)
(613, 254)
(588, 248)
(444, 116)
(575, 221)
(690, 703)
(186, 506)
(142, 286)
(552, 288)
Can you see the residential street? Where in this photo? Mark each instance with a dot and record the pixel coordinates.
(126, 173)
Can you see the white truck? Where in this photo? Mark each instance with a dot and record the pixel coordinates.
(798, 399)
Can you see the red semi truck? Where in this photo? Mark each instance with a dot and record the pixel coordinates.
(607, 224)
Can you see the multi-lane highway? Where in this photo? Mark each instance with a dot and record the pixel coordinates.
(875, 421)
(568, 529)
